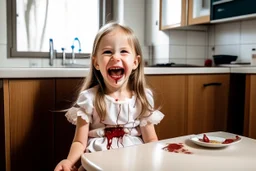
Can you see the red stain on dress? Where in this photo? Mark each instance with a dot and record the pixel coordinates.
(176, 148)
(115, 132)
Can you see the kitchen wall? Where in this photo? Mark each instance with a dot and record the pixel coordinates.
(179, 46)
(170, 46)
(234, 38)
(193, 47)
(133, 16)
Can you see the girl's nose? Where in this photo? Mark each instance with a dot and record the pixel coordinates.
(116, 57)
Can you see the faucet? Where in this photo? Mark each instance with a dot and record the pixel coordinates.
(52, 52)
(76, 39)
(73, 49)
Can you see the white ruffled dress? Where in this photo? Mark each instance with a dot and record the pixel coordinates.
(119, 113)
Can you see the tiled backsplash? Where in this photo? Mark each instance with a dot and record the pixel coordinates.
(193, 47)
(234, 38)
(183, 47)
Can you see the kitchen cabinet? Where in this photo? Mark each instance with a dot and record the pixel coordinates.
(29, 123)
(67, 91)
(250, 107)
(2, 139)
(207, 103)
(198, 11)
(179, 13)
(37, 134)
(191, 103)
(170, 94)
(172, 14)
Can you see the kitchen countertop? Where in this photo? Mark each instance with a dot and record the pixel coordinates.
(244, 70)
(82, 72)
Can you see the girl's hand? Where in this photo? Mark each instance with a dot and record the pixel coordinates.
(65, 165)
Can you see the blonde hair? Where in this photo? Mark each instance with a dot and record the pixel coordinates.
(137, 81)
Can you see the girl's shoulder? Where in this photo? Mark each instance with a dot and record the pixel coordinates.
(89, 93)
(90, 90)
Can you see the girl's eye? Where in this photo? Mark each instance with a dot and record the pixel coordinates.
(107, 52)
(124, 51)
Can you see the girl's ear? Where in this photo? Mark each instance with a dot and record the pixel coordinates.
(95, 64)
(136, 62)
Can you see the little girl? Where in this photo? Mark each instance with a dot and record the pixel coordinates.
(114, 108)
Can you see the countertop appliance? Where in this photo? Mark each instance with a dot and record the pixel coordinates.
(229, 9)
(224, 59)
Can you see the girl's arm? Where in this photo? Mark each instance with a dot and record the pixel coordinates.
(148, 133)
(79, 142)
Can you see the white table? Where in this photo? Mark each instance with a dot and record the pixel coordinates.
(151, 157)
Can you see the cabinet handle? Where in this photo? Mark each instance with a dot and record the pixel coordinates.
(212, 84)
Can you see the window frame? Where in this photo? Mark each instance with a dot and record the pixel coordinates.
(105, 15)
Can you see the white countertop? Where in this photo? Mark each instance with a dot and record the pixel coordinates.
(152, 157)
(43, 72)
(244, 70)
(82, 72)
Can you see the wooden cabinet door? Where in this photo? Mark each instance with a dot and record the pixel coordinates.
(67, 91)
(172, 14)
(171, 94)
(30, 123)
(250, 107)
(2, 137)
(207, 103)
(198, 12)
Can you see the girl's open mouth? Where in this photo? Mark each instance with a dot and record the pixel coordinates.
(116, 73)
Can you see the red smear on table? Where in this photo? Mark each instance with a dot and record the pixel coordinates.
(176, 148)
(110, 133)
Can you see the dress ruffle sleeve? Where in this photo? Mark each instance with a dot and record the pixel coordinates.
(84, 108)
(156, 116)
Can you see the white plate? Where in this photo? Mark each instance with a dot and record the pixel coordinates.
(196, 140)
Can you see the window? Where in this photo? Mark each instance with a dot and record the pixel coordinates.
(32, 23)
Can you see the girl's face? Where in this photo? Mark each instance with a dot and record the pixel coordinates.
(115, 59)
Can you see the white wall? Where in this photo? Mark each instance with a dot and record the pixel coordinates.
(168, 46)
(234, 38)
(133, 16)
(179, 46)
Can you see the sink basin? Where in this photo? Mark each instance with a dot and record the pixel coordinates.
(76, 65)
